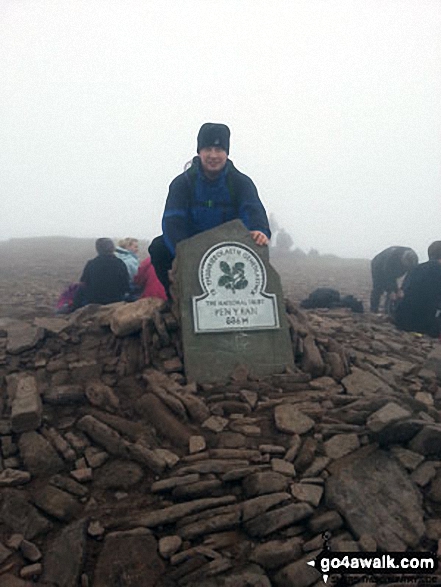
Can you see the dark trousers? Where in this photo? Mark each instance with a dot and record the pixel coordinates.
(381, 284)
(162, 261)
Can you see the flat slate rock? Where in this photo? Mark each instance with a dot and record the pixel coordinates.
(64, 558)
(22, 337)
(129, 558)
(20, 516)
(57, 503)
(118, 475)
(376, 497)
(361, 382)
(39, 456)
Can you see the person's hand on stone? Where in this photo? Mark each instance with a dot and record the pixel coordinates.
(259, 238)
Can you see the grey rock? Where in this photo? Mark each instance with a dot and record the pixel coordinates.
(428, 441)
(388, 414)
(312, 361)
(118, 474)
(262, 483)
(409, 459)
(64, 395)
(274, 520)
(101, 395)
(212, 466)
(361, 382)
(57, 503)
(312, 494)
(5, 553)
(433, 362)
(146, 457)
(26, 410)
(63, 560)
(216, 523)
(128, 318)
(317, 467)
(14, 477)
(340, 445)
(435, 489)
(433, 529)
(276, 553)
(423, 474)
(259, 505)
(363, 488)
(169, 484)
(173, 513)
(169, 545)
(153, 410)
(196, 444)
(18, 514)
(200, 489)
(31, 571)
(128, 559)
(330, 520)
(69, 485)
(54, 325)
(400, 432)
(215, 423)
(290, 420)
(38, 455)
(103, 435)
(283, 467)
(22, 337)
(196, 408)
(30, 551)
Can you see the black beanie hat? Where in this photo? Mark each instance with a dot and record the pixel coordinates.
(214, 135)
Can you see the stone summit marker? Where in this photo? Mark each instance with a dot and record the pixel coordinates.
(231, 306)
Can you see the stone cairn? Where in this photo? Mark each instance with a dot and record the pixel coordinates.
(116, 470)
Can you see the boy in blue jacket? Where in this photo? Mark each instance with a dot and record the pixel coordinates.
(212, 191)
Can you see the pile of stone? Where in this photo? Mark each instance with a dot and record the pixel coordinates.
(116, 470)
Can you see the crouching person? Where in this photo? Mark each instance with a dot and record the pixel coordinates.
(209, 193)
(387, 267)
(418, 309)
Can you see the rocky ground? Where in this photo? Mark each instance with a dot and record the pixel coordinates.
(117, 471)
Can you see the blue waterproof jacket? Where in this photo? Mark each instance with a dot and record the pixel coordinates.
(196, 203)
(130, 259)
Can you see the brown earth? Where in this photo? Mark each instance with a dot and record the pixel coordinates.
(35, 270)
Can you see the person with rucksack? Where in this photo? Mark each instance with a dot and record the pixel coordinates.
(209, 193)
(105, 279)
(419, 309)
(387, 267)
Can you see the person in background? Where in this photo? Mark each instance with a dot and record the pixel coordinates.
(209, 193)
(147, 281)
(418, 309)
(127, 250)
(105, 278)
(387, 267)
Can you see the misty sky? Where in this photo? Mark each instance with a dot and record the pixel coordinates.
(334, 108)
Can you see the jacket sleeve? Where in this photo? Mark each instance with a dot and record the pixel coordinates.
(251, 210)
(176, 221)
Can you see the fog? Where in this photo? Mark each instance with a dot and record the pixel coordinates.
(333, 106)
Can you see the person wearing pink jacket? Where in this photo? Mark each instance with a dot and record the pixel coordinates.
(147, 279)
